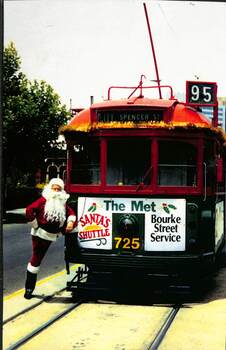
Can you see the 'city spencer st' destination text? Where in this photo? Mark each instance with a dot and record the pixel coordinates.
(135, 206)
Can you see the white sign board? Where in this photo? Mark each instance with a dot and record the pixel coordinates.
(160, 223)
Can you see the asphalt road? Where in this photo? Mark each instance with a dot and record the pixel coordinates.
(17, 251)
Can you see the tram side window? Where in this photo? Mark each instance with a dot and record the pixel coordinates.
(128, 161)
(209, 164)
(86, 163)
(177, 164)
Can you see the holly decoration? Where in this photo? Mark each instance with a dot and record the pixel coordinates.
(93, 207)
(167, 207)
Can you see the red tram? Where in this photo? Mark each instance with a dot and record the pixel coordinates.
(147, 181)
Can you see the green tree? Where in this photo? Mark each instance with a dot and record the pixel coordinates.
(32, 114)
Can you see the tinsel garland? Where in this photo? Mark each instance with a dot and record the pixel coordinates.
(131, 125)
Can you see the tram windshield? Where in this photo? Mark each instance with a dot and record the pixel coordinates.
(177, 164)
(85, 167)
(128, 161)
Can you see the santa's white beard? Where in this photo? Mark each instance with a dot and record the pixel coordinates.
(55, 209)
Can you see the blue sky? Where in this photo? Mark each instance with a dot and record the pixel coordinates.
(81, 47)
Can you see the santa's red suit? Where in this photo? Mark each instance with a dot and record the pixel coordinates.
(42, 228)
(49, 217)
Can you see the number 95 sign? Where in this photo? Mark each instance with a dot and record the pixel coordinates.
(200, 93)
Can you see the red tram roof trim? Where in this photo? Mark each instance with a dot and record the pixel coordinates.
(181, 116)
(135, 102)
(186, 114)
(82, 121)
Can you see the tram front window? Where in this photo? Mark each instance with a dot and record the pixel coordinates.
(128, 162)
(177, 164)
(86, 163)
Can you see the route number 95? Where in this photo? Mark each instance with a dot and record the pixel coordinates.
(127, 243)
(201, 93)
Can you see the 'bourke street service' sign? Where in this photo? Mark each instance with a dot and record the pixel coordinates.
(132, 224)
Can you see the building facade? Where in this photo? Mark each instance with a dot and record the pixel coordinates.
(208, 112)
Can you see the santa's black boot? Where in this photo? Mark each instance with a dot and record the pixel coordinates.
(30, 284)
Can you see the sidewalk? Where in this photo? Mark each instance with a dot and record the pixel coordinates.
(20, 211)
(15, 216)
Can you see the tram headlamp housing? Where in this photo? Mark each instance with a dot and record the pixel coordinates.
(192, 224)
(127, 224)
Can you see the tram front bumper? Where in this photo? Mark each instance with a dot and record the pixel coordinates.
(183, 265)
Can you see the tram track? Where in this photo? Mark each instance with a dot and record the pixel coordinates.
(122, 324)
(41, 328)
(164, 328)
(108, 311)
(55, 306)
(31, 307)
(88, 325)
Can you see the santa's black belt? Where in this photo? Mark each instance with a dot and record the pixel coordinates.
(51, 228)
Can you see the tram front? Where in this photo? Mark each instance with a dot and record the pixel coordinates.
(143, 178)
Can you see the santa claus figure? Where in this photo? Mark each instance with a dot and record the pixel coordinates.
(50, 217)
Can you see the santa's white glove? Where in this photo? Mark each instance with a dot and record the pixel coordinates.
(34, 223)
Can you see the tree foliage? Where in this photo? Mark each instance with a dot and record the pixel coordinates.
(32, 114)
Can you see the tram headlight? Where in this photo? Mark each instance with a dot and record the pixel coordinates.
(192, 242)
(127, 225)
(192, 224)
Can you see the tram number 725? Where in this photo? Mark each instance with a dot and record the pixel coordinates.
(127, 243)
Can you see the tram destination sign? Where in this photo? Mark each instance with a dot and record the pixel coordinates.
(135, 116)
(200, 93)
